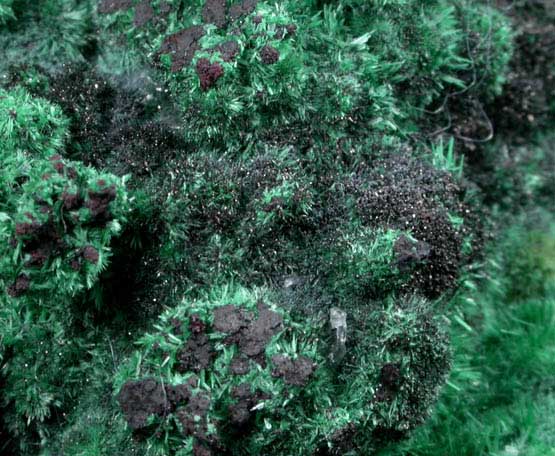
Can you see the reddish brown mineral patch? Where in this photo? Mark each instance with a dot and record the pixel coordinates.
(199, 449)
(45, 209)
(230, 319)
(91, 254)
(143, 13)
(20, 286)
(196, 325)
(214, 12)
(197, 354)
(71, 201)
(182, 46)
(99, 203)
(39, 257)
(88, 253)
(228, 50)
(242, 9)
(164, 8)
(27, 229)
(251, 335)
(283, 31)
(39, 240)
(269, 55)
(140, 399)
(75, 263)
(239, 365)
(208, 73)
(241, 411)
(193, 416)
(294, 372)
(180, 394)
